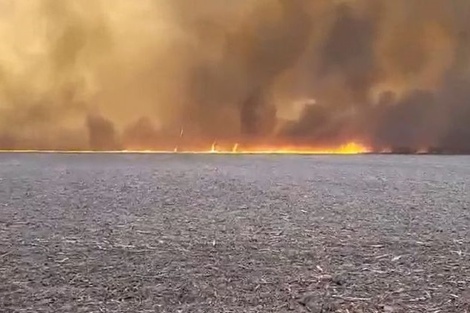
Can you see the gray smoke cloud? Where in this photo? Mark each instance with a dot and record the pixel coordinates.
(155, 74)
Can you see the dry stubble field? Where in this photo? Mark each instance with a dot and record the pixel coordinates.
(211, 233)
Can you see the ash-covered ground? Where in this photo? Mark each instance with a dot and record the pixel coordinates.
(211, 233)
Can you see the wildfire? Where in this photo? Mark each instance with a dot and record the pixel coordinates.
(347, 149)
(214, 147)
(350, 148)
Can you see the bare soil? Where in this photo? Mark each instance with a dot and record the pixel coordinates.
(181, 233)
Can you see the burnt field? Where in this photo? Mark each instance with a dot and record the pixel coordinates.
(211, 233)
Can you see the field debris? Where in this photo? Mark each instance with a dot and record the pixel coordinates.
(170, 242)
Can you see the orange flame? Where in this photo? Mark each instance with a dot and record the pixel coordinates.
(350, 148)
(347, 149)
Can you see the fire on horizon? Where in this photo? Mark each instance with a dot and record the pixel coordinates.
(255, 76)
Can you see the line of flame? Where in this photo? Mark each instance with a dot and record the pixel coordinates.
(348, 149)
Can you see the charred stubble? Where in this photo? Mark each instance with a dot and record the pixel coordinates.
(140, 233)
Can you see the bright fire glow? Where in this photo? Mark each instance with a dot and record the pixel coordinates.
(348, 149)
(214, 148)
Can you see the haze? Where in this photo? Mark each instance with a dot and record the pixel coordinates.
(126, 74)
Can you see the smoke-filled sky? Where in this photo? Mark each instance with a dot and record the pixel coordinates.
(127, 74)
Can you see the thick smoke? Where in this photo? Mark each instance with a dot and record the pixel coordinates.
(158, 74)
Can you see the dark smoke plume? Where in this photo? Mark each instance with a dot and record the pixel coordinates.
(101, 133)
(161, 74)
